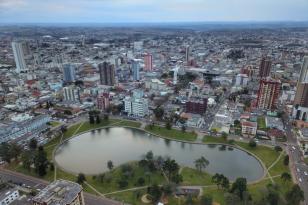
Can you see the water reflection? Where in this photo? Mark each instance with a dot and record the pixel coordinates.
(90, 152)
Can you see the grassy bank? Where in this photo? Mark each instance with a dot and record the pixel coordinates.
(172, 133)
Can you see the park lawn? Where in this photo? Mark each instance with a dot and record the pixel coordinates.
(194, 177)
(104, 187)
(55, 123)
(266, 154)
(211, 139)
(217, 194)
(261, 123)
(279, 167)
(126, 123)
(172, 133)
(87, 126)
(306, 160)
(130, 197)
(258, 190)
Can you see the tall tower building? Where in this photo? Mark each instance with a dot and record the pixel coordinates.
(268, 93)
(136, 69)
(69, 73)
(19, 57)
(301, 96)
(106, 72)
(71, 94)
(265, 67)
(187, 54)
(148, 62)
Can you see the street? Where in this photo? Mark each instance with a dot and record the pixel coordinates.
(36, 183)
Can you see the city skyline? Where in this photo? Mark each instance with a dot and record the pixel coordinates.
(132, 11)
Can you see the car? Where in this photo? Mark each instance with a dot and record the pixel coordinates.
(306, 174)
(297, 169)
(293, 148)
(299, 179)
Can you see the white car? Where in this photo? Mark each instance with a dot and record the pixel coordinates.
(299, 179)
(298, 170)
(306, 174)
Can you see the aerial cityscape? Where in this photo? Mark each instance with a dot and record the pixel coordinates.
(184, 103)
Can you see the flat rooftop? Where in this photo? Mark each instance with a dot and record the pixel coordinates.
(58, 192)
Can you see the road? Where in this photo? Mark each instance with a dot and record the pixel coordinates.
(36, 183)
(298, 166)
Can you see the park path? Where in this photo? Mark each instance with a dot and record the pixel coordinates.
(272, 165)
(76, 131)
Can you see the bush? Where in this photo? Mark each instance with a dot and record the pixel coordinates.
(140, 181)
(278, 149)
(122, 183)
(252, 144)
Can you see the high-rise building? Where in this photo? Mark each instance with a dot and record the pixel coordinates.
(107, 73)
(69, 73)
(103, 101)
(265, 67)
(196, 106)
(148, 62)
(300, 109)
(19, 57)
(241, 80)
(187, 54)
(71, 94)
(301, 97)
(136, 69)
(60, 192)
(136, 105)
(268, 93)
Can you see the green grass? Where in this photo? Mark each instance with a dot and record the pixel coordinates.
(279, 167)
(194, 177)
(116, 174)
(55, 123)
(266, 154)
(217, 194)
(306, 160)
(172, 133)
(129, 124)
(261, 123)
(211, 139)
(130, 197)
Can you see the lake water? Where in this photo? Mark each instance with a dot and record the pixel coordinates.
(89, 153)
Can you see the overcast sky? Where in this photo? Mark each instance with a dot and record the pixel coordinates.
(112, 11)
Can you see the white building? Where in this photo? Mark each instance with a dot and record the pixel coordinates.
(137, 107)
(155, 85)
(241, 80)
(19, 57)
(71, 94)
(195, 121)
(8, 196)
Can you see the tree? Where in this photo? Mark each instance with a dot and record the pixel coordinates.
(232, 199)
(155, 192)
(98, 119)
(33, 144)
(201, 163)
(224, 135)
(285, 176)
(206, 200)
(159, 112)
(170, 167)
(110, 165)
(106, 117)
(221, 181)
(295, 195)
(239, 187)
(4, 152)
(252, 143)
(183, 128)
(91, 119)
(122, 183)
(15, 150)
(149, 156)
(26, 159)
(140, 181)
(177, 178)
(81, 178)
(278, 148)
(168, 125)
(41, 162)
(286, 160)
